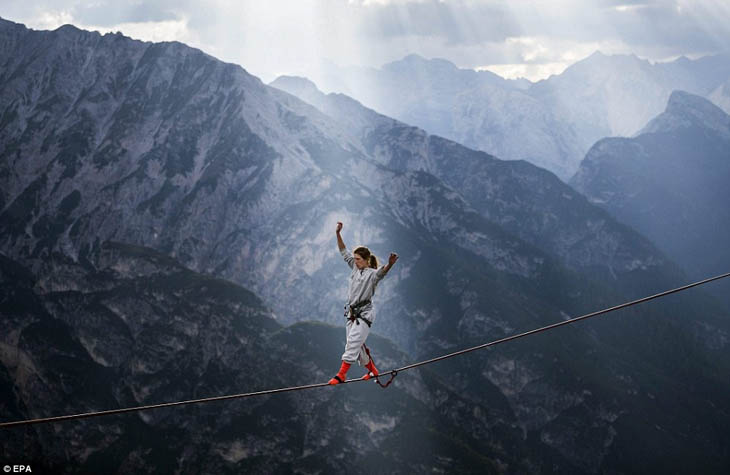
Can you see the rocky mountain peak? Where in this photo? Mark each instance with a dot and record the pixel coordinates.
(681, 102)
(685, 110)
(597, 55)
(297, 86)
(68, 29)
(414, 63)
(600, 65)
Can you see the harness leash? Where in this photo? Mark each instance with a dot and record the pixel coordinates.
(392, 373)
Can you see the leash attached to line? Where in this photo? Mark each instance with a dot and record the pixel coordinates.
(377, 376)
(392, 373)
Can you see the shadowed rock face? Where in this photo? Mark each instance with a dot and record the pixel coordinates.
(669, 182)
(160, 146)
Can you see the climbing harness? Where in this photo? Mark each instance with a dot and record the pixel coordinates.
(354, 312)
(393, 373)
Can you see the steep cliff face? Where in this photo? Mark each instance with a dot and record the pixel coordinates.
(156, 144)
(669, 182)
(167, 148)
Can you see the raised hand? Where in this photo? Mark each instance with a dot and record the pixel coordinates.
(339, 227)
(391, 260)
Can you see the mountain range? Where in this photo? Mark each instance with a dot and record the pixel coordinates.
(153, 190)
(551, 123)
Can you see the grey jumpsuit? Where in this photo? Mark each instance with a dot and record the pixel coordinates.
(362, 287)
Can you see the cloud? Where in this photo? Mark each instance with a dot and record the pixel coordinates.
(533, 72)
(165, 30)
(538, 57)
(680, 27)
(472, 34)
(456, 23)
(50, 20)
(109, 12)
(277, 37)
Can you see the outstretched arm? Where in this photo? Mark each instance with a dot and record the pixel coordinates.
(341, 246)
(391, 262)
(340, 242)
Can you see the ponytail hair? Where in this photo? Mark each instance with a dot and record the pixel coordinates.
(365, 253)
(373, 261)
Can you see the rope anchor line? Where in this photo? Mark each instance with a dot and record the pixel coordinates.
(393, 373)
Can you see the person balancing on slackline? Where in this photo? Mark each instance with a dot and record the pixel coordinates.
(359, 310)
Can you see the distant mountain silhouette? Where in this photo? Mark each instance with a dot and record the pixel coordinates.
(670, 182)
(551, 123)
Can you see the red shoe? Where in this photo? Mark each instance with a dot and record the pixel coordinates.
(372, 370)
(341, 376)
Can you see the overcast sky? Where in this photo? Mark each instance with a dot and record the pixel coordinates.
(513, 38)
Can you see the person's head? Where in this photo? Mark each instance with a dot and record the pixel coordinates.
(364, 258)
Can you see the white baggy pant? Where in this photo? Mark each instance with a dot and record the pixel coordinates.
(355, 346)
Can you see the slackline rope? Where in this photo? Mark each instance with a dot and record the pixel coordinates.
(393, 373)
